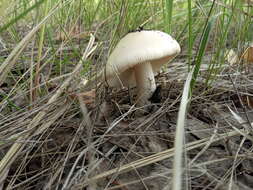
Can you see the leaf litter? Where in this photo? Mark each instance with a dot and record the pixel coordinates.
(93, 138)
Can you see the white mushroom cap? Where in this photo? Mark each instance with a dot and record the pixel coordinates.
(135, 49)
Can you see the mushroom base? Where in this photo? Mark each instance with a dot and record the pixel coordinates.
(145, 81)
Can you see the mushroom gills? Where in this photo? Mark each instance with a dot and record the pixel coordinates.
(145, 82)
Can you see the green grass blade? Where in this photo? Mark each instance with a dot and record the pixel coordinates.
(40, 47)
(21, 15)
(190, 34)
(167, 14)
(202, 46)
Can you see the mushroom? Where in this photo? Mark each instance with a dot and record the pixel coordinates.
(137, 58)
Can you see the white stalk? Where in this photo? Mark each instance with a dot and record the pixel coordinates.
(145, 82)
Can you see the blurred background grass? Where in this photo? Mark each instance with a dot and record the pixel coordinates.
(110, 20)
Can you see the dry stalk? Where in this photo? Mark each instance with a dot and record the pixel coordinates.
(17, 147)
(155, 158)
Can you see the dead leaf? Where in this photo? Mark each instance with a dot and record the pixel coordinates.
(247, 101)
(247, 55)
(232, 57)
(87, 97)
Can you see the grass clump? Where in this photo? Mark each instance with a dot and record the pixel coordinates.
(57, 133)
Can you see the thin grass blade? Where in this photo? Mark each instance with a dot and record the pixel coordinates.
(179, 137)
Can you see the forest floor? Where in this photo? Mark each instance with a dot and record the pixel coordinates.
(93, 138)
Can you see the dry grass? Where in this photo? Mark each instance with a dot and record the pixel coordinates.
(96, 141)
(69, 135)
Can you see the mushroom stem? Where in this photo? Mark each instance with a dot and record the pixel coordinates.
(145, 82)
